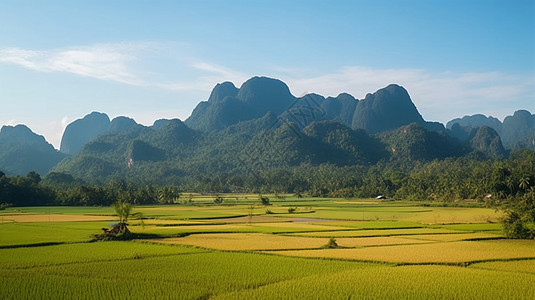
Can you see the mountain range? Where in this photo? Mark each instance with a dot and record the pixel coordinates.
(260, 126)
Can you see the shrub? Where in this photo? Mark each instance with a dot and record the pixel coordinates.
(265, 201)
(331, 244)
(218, 200)
(515, 227)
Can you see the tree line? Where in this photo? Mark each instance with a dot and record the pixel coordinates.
(509, 183)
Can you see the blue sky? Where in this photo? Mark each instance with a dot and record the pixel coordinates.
(60, 60)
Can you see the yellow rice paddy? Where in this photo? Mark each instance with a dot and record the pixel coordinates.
(453, 237)
(454, 215)
(246, 241)
(376, 241)
(253, 219)
(454, 252)
(385, 232)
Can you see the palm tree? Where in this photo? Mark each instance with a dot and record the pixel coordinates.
(123, 210)
(524, 183)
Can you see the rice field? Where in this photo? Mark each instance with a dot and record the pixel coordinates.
(246, 241)
(376, 241)
(439, 253)
(39, 218)
(385, 250)
(519, 266)
(372, 233)
(406, 282)
(455, 237)
(16, 234)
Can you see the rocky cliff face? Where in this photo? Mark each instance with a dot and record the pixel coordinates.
(516, 131)
(81, 131)
(22, 151)
(387, 109)
(228, 105)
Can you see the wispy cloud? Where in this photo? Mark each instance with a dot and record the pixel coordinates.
(438, 95)
(138, 64)
(111, 62)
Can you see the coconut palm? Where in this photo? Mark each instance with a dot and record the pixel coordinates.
(524, 183)
(123, 210)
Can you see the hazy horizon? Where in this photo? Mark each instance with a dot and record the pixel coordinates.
(60, 61)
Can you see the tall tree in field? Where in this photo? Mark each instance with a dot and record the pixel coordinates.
(123, 210)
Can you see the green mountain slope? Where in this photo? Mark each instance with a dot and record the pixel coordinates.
(22, 151)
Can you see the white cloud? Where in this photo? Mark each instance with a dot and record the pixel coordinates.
(438, 96)
(138, 64)
(110, 62)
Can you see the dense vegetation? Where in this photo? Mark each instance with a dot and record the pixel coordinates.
(509, 183)
(437, 180)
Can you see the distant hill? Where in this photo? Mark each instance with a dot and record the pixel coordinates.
(415, 143)
(22, 151)
(387, 109)
(340, 109)
(81, 131)
(475, 121)
(516, 131)
(119, 124)
(112, 154)
(228, 105)
(486, 140)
